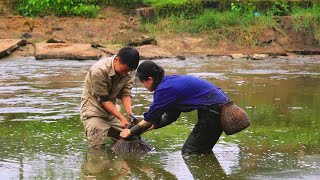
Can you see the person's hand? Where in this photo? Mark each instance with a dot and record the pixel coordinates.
(125, 133)
(152, 127)
(124, 123)
(133, 119)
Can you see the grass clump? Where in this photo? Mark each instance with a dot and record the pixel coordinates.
(241, 22)
(308, 20)
(235, 25)
(84, 8)
(167, 8)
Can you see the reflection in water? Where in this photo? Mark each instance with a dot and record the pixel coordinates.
(104, 164)
(99, 165)
(205, 167)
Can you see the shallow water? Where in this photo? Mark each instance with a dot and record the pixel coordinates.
(42, 136)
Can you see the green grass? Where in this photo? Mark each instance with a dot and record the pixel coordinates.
(237, 24)
(186, 8)
(307, 20)
(219, 25)
(84, 8)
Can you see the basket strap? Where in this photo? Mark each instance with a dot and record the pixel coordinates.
(214, 111)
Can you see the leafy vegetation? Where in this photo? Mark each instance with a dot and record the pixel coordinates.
(182, 8)
(85, 8)
(228, 24)
(242, 19)
(220, 19)
(308, 20)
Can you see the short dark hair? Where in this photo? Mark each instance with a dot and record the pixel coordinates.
(150, 69)
(129, 56)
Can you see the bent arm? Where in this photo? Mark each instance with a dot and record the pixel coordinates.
(126, 101)
(111, 108)
(166, 119)
(140, 128)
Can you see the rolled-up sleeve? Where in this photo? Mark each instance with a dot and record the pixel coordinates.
(126, 90)
(99, 85)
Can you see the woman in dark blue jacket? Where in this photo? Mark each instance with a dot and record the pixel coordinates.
(181, 93)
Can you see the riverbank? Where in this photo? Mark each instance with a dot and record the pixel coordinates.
(113, 29)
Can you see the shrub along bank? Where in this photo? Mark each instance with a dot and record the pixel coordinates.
(85, 8)
(240, 21)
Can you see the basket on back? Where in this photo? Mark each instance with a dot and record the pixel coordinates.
(233, 118)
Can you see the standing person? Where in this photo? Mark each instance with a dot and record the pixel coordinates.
(107, 80)
(181, 93)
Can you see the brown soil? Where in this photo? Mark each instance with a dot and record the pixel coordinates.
(113, 29)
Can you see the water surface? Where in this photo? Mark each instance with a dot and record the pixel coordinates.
(42, 136)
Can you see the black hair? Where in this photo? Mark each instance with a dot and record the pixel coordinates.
(129, 56)
(150, 69)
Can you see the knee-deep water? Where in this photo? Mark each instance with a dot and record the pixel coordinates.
(42, 137)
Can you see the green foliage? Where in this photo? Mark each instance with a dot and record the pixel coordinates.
(308, 20)
(85, 8)
(275, 7)
(279, 7)
(168, 8)
(243, 6)
(239, 20)
(211, 20)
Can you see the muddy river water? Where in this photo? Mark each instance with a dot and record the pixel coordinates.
(41, 136)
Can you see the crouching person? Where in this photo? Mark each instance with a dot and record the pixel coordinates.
(107, 80)
(181, 93)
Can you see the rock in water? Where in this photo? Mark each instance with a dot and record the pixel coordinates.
(133, 145)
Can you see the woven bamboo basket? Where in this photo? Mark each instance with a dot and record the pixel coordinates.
(133, 145)
(233, 118)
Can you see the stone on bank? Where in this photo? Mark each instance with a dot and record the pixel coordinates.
(9, 45)
(66, 51)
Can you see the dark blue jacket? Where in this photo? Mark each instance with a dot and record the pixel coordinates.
(183, 93)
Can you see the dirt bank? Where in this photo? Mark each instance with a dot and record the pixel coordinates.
(114, 29)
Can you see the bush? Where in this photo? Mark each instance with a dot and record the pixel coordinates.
(211, 20)
(85, 8)
(308, 20)
(166, 8)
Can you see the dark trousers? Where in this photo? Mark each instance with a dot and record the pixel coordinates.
(205, 134)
